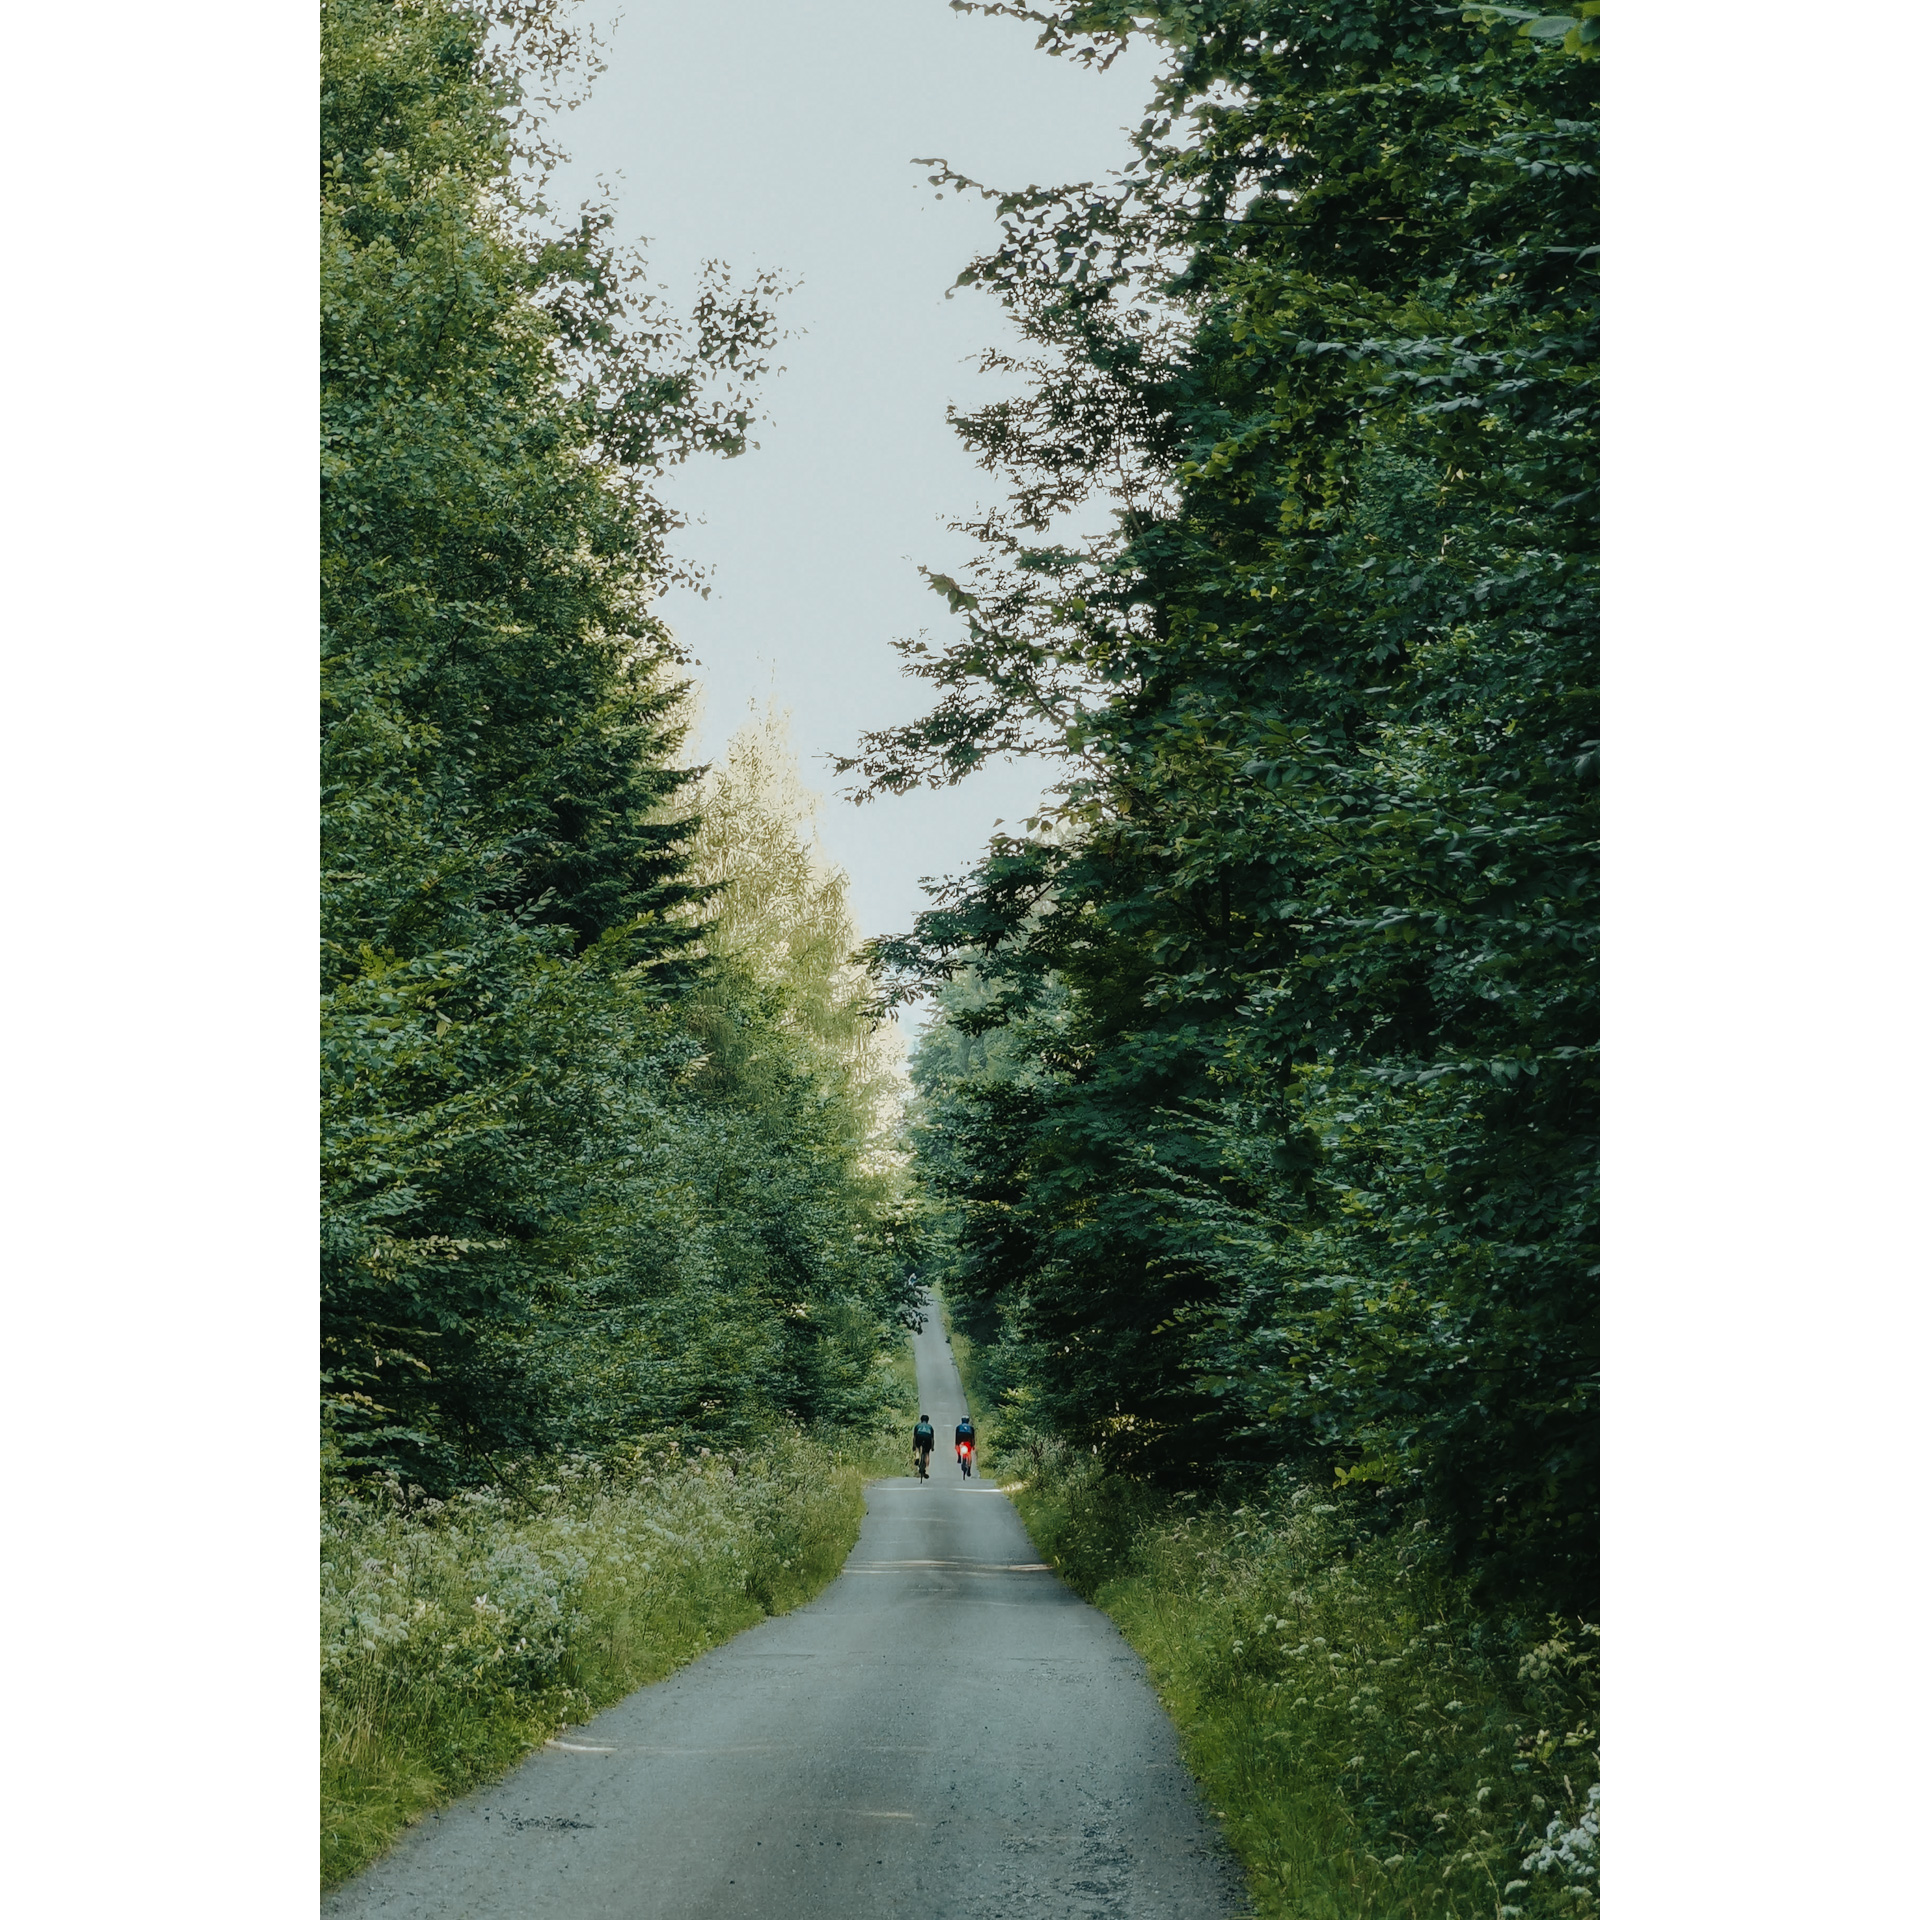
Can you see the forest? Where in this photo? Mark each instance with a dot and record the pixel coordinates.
(604, 1146)
(1266, 1128)
(1252, 1147)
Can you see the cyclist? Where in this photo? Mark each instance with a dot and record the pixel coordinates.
(922, 1445)
(963, 1443)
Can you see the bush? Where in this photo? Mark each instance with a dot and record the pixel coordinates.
(457, 1635)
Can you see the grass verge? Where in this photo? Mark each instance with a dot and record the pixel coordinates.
(457, 1636)
(1376, 1746)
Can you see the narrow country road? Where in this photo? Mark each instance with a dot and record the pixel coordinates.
(946, 1730)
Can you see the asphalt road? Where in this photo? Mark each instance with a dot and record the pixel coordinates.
(947, 1730)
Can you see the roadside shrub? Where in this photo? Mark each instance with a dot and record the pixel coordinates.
(1375, 1743)
(458, 1634)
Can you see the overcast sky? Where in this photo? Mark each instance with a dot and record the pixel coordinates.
(769, 134)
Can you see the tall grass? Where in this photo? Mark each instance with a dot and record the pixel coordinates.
(1374, 1744)
(459, 1635)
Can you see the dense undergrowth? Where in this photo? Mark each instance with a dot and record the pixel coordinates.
(1375, 1745)
(460, 1634)
(1375, 1742)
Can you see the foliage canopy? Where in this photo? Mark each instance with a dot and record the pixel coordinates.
(1289, 1153)
(558, 1208)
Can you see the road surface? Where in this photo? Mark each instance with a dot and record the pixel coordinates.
(947, 1730)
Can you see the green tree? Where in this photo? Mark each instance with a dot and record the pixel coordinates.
(551, 1218)
(1309, 1173)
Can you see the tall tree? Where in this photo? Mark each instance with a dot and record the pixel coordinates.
(545, 1221)
(1310, 1172)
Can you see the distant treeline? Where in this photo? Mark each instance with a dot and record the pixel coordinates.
(605, 1126)
(1260, 1120)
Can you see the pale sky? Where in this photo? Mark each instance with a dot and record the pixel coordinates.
(769, 134)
